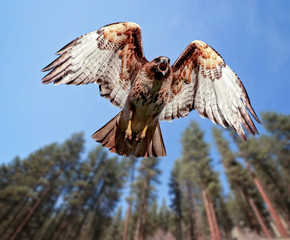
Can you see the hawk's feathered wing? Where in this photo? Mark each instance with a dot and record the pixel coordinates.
(204, 82)
(110, 57)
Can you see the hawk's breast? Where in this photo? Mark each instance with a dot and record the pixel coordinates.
(149, 95)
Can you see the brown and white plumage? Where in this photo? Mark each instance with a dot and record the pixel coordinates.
(113, 57)
(204, 82)
(110, 57)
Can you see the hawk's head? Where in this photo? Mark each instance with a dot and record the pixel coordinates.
(161, 66)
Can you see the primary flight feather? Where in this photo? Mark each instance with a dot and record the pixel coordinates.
(147, 92)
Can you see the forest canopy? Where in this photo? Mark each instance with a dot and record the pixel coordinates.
(61, 191)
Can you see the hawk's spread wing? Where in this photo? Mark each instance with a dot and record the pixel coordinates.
(110, 57)
(202, 81)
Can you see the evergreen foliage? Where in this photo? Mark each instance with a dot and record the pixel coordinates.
(62, 192)
(55, 194)
(242, 186)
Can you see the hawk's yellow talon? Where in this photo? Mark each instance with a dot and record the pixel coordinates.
(141, 135)
(128, 132)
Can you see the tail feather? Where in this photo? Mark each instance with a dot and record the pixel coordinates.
(152, 145)
(111, 136)
(157, 142)
(104, 134)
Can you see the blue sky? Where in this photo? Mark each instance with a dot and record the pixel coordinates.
(252, 36)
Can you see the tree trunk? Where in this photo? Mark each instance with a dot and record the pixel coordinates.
(128, 213)
(54, 224)
(178, 229)
(52, 228)
(12, 220)
(275, 217)
(260, 219)
(199, 234)
(190, 203)
(188, 235)
(137, 231)
(247, 206)
(139, 220)
(79, 228)
(143, 221)
(32, 210)
(60, 225)
(214, 220)
(209, 217)
(140, 229)
(37, 234)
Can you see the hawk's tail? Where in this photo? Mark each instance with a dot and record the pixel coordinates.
(111, 136)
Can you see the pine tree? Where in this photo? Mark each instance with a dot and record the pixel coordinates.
(114, 231)
(278, 147)
(251, 151)
(196, 170)
(153, 221)
(224, 218)
(55, 194)
(143, 191)
(131, 167)
(39, 175)
(176, 200)
(97, 192)
(241, 186)
(163, 216)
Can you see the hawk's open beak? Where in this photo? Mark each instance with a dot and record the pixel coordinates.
(163, 66)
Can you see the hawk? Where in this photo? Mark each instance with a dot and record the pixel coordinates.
(147, 92)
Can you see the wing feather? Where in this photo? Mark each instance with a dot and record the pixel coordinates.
(110, 57)
(202, 81)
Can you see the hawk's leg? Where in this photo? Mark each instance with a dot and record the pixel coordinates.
(128, 132)
(142, 134)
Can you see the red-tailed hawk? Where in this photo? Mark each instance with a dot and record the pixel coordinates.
(147, 92)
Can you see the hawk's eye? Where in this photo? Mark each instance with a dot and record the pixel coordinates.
(157, 60)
